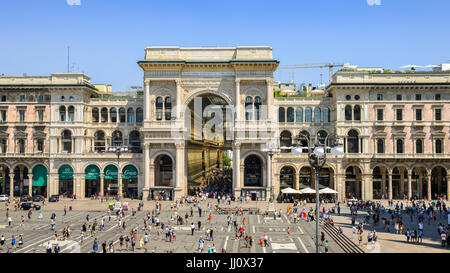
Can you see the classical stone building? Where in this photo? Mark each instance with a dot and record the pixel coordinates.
(197, 103)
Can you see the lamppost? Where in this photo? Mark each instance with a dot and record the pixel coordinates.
(317, 157)
(270, 152)
(118, 150)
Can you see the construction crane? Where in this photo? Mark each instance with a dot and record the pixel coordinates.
(330, 66)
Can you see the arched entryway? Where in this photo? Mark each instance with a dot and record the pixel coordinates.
(92, 180)
(65, 184)
(438, 182)
(130, 181)
(379, 182)
(253, 179)
(305, 177)
(111, 182)
(164, 178)
(40, 180)
(326, 178)
(4, 179)
(21, 180)
(419, 178)
(353, 182)
(399, 182)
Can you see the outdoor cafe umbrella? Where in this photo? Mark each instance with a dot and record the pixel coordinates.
(327, 190)
(307, 190)
(289, 190)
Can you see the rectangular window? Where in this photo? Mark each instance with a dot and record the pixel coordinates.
(379, 96)
(437, 96)
(399, 114)
(418, 97)
(399, 97)
(40, 115)
(22, 98)
(379, 114)
(437, 114)
(21, 146)
(21, 115)
(3, 146)
(3, 115)
(40, 145)
(418, 114)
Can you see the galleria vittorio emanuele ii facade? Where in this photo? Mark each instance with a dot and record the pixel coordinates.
(59, 133)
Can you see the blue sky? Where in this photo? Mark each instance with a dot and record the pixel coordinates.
(107, 37)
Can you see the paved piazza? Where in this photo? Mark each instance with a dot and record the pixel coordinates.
(37, 232)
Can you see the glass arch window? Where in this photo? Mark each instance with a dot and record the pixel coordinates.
(308, 114)
(122, 115)
(62, 113)
(168, 108)
(322, 135)
(257, 108)
(326, 114)
(95, 115)
(290, 114)
(399, 146)
(348, 112)
(113, 114)
(248, 108)
(353, 141)
(317, 114)
(357, 112)
(104, 114)
(281, 115)
(71, 113)
(419, 146)
(380, 146)
(299, 114)
(285, 140)
(117, 139)
(134, 140)
(130, 115)
(159, 108)
(66, 137)
(139, 115)
(99, 141)
(438, 146)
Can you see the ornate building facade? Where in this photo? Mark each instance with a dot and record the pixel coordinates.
(58, 134)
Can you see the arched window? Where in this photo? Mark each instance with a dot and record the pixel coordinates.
(317, 114)
(302, 137)
(290, 114)
(357, 112)
(130, 115)
(326, 114)
(299, 114)
(399, 146)
(257, 108)
(62, 98)
(104, 114)
(139, 115)
(135, 142)
(66, 141)
(281, 115)
(380, 146)
(353, 141)
(285, 140)
(95, 115)
(122, 115)
(99, 141)
(419, 146)
(168, 108)
(322, 135)
(117, 139)
(159, 108)
(248, 108)
(308, 114)
(348, 112)
(62, 113)
(438, 146)
(71, 98)
(71, 113)
(113, 114)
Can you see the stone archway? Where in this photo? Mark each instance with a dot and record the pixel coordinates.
(353, 182)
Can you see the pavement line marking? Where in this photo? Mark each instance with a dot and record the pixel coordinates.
(225, 244)
(303, 245)
(254, 230)
(300, 229)
(264, 249)
(291, 239)
(259, 221)
(286, 219)
(221, 228)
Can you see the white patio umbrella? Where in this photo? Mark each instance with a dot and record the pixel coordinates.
(307, 190)
(327, 190)
(289, 190)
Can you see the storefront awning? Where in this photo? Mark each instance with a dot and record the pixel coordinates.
(111, 172)
(39, 176)
(92, 172)
(129, 172)
(65, 172)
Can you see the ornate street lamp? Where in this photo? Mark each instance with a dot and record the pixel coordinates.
(317, 157)
(118, 150)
